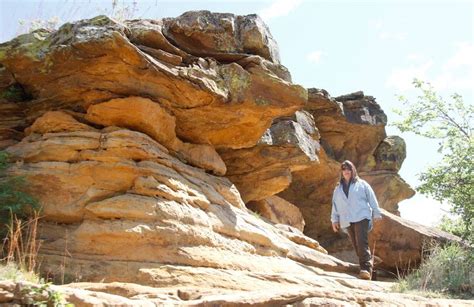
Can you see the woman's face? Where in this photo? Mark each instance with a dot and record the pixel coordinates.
(346, 173)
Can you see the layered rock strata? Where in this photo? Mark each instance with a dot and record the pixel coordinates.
(111, 164)
(265, 169)
(93, 61)
(114, 196)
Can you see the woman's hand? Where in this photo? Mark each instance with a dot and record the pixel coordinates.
(336, 227)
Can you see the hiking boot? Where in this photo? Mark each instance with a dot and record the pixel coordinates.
(363, 274)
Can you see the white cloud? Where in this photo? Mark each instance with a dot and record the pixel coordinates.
(376, 23)
(415, 56)
(279, 8)
(423, 210)
(315, 56)
(456, 73)
(392, 36)
(464, 56)
(382, 33)
(402, 78)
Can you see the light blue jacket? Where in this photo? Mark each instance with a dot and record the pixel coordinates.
(361, 204)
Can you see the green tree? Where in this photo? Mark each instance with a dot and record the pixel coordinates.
(13, 201)
(450, 122)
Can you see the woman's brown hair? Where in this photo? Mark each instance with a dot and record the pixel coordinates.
(351, 166)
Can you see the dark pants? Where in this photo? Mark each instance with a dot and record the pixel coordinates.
(359, 234)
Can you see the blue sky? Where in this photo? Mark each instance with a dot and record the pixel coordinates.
(341, 46)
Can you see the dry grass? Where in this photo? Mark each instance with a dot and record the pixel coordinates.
(21, 246)
(448, 271)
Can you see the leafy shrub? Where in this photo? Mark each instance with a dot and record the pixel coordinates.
(13, 201)
(457, 227)
(449, 269)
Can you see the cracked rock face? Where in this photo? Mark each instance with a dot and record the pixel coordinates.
(93, 61)
(225, 37)
(266, 169)
(114, 195)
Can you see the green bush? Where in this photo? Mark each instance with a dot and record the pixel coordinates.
(13, 201)
(449, 270)
(457, 227)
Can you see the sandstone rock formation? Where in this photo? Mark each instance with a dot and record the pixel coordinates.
(93, 61)
(326, 290)
(265, 169)
(147, 142)
(352, 127)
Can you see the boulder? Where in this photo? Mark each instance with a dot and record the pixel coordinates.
(401, 244)
(148, 33)
(279, 211)
(389, 188)
(223, 36)
(398, 244)
(361, 109)
(390, 154)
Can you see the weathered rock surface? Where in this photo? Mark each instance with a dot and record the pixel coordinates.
(11, 118)
(12, 121)
(349, 129)
(351, 126)
(390, 189)
(93, 61)
(144, 115)
(390, 153)
(326, 290)
(265, 169)
(223, 36)
(311, 191)
(123, 199)
(279, 211)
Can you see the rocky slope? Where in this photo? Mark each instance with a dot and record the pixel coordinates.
(147, 142)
